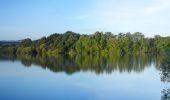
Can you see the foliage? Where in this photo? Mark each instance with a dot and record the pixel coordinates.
(97, 43)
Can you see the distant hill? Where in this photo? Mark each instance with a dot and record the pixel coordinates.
(10, 42)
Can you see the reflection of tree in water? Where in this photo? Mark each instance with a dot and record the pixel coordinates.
(7, 57)
(165, 76)
(165, 69)
(126, 63)
(165, 94)
(99, 65)
(93, 63)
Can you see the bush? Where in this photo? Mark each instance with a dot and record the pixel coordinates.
(25, 51)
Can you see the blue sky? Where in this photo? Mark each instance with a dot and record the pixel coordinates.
(36, 18)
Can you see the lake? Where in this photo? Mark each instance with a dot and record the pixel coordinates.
(85, 77)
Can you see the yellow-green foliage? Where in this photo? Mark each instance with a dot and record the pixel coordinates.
(24, 51)
(97, 43)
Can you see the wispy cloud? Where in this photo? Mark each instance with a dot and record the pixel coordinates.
(91, 30)
(147, 16)
(81, 17)
(133, 16)
(104, 9)
(157, 7)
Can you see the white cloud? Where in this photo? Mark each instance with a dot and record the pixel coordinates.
(148, 16)
(130, 9)
(159, 6)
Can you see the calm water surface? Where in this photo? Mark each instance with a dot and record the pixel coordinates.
(128, 77)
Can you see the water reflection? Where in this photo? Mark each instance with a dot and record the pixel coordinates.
(165, 69)
(165, 94)
(94, 63)
(165, 76)
(97, 64)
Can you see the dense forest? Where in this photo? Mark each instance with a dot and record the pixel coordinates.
(97, 43)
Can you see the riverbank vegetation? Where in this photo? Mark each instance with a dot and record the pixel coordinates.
(97, 43)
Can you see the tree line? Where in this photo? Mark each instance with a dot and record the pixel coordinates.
(97, 43)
